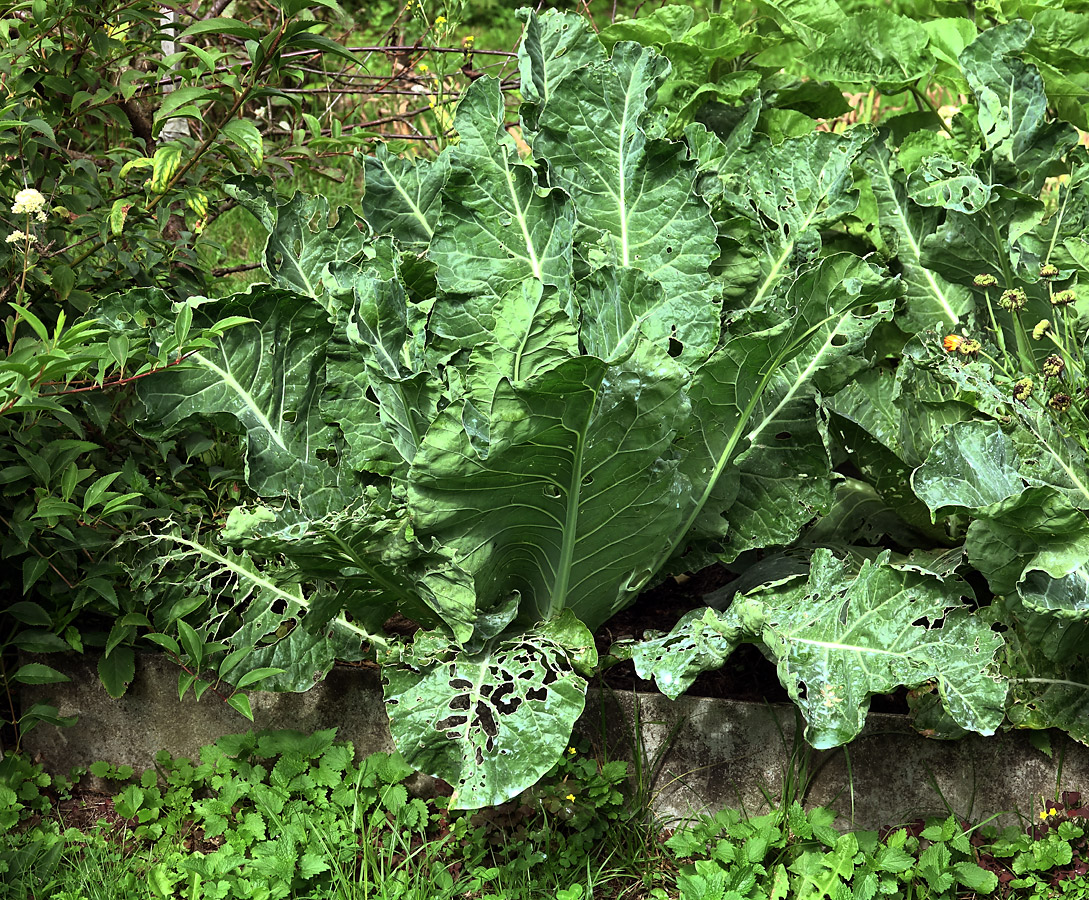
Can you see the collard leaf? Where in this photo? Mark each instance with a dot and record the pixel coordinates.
(532, 332)
(498, 226)
(402, 196)
(1048, 668)
(974, 465)
(811, 21)
(265, 376)
(950, 184)
(577, 455)
(843, 635)
(798, 186)
(554, 45)
(701, 641)
(634, 195)
(494, 722)
(874, 47)
(1011, 97)
(989, 241)
(928, 297)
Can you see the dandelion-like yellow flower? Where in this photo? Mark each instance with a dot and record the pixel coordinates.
(28, 201)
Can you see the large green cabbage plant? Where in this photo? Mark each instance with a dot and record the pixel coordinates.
(519, 390)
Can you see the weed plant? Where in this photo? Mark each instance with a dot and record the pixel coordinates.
(287, 815)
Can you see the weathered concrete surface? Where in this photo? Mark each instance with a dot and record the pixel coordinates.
(708, 753)
(720, 753)
(150, 717)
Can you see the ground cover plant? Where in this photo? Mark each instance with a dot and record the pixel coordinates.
(693, 308)
(285, 814)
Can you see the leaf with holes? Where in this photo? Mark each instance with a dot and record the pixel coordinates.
(842, 635)
(490, 723)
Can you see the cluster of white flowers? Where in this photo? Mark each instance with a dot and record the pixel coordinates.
(29, 202)
(17, 236)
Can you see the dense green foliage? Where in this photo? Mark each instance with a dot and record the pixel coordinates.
(695, 308)
(283, 814)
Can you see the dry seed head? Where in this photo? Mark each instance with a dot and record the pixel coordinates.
(1060, 402)
(1062, 298)
(1013, 299)
(1054, 366)
(1023, 389)
(1049, 271)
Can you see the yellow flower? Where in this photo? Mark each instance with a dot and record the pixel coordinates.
(951, 342)
(1046, 813)
(571, 797)
(440, 20)
(572, 750)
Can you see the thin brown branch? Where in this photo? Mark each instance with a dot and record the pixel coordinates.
(234, 270)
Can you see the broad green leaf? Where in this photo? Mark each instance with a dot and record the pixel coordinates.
(247, 138)
(974, 465)
(553, 46)
(1035, 528)
(1010, 93)
(782, 478)
(948, 37)
(873, 47)
(665, 24)
(494, 722)
(843, 635)
(274, 624)
(265, 376)
(576, 455)
(701, 641)
(301, 245)
(812, 21)
(799, 186)
(988, 241)
(117, 670)
(950, 184)
(633, 195)
(1048, 669)
(928, 297)
(364, 549)
(403, 196)
(532, 332)
(498, 226)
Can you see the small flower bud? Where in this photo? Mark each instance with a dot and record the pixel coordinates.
(1049, 271)
(1013, 299)
(1054, 366)
(1060, 402)
(1042, 327)
(986, 279)
(1023, 389)
(1062, 298)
